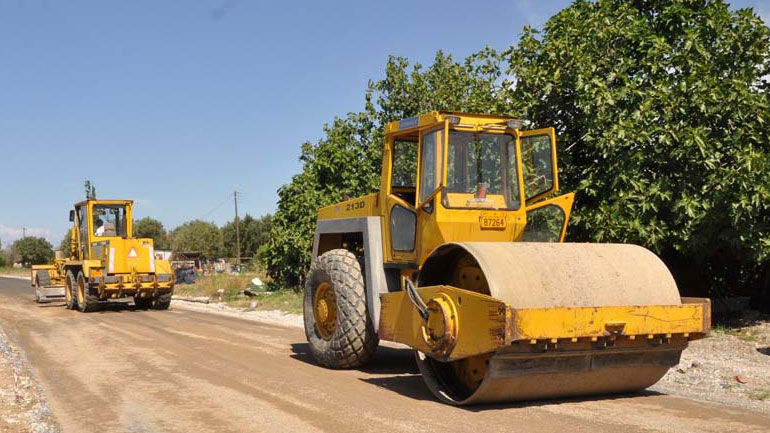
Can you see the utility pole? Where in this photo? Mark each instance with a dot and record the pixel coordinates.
(23, 232)
(237, 231)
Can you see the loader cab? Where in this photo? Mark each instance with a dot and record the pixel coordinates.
(453, 177)
(95, 221)
(109, 220)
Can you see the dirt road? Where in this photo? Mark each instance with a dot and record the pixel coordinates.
(181, 371)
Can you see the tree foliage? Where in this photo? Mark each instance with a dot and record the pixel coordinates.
(340, 164)
(33, 251)
(662, 113)
(64, 245)
(151, 228)
(198, 236)
(346, 161)
(253, 234)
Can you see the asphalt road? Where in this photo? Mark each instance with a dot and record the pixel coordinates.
(123, 370)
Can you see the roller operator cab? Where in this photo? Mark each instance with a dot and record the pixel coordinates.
(459, 256)
(106, 262)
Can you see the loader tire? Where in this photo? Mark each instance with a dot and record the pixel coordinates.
(162, 302)
(142, 303)
(86, 301)
(337, 325)
(69, 297)
(37, 289)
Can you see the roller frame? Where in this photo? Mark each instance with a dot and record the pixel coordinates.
(486, 324)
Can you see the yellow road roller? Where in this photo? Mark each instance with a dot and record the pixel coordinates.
(460, 256)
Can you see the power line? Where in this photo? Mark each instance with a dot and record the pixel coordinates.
(216, 207)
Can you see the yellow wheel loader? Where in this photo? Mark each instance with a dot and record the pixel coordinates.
(459, 256)
(106, 262)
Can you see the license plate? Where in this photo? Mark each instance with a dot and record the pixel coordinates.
(493, 221)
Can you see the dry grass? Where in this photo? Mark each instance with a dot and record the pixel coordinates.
(19, 272)
(740, 333)
(208, 285)
(759, 395)
(287, 301)
(232, 295)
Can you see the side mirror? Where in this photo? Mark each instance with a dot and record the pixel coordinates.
(72, 216)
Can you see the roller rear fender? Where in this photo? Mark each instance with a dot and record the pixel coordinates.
(371, 230)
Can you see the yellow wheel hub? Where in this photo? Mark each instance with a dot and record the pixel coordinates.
(325, 309)
(440, 330)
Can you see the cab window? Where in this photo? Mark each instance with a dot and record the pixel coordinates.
(544, 224)
(404, 170)
(537, 165)
(83, 227)
(481, 171)
(109, 221)
(431, 163)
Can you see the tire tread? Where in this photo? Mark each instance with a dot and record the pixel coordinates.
(354, 341)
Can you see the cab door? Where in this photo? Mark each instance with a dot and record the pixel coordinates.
(547, 220)
(400, 228)
(419, 157)
(538, 164)
(81, 215)
(431, 181)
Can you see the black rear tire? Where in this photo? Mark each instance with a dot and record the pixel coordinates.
(353, 341)
(142, 303)
(162, 302)
(37, 289)
(86, 301)
(69, 296)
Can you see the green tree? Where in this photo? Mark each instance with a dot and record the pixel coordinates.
(151, 228)
(347, 161)
(253, 234)
(33, 251)
(663, 113)
(661, 109)
(198, 236)
(2, 255)
(64, 246)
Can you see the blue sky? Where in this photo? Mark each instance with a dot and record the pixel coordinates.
(175, 104)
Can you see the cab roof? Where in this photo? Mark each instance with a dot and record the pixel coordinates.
(99, 201)
(422, 120)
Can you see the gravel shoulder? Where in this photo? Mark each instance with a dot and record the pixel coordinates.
(731, 366)
(272, 317)
(23, 406)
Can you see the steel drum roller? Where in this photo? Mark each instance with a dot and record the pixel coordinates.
(542, 275)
